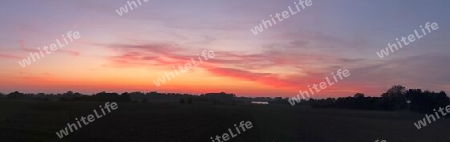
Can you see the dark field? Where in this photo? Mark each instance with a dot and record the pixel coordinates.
(28, 121)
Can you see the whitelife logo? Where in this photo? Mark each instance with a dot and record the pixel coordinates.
(322, 85)
(411, 38)
(52, 47)
(284, 14)
(90, 118)
(122, 10)
(188, 66)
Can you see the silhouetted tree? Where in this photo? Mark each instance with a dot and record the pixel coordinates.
(426, 101)
(359, 95)
(15, 95)
(221, 97)
(68, 93)
(395, 91)
(394, 98)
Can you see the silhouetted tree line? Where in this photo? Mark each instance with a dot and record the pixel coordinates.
(396, 98)
(221, 98)
(426, 101)
(16, 95)
(102, 96)
(68, 96)
(216, 98)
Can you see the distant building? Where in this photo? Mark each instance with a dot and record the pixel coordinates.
(260, 103)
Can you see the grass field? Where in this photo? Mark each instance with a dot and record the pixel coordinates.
(22, 121)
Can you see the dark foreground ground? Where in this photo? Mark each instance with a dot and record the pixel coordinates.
(22, 121)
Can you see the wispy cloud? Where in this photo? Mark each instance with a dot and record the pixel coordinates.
(7, 56)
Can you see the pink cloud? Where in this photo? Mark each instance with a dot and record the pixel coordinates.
(6, 56)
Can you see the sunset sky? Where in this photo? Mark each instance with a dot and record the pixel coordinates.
(127, 53)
